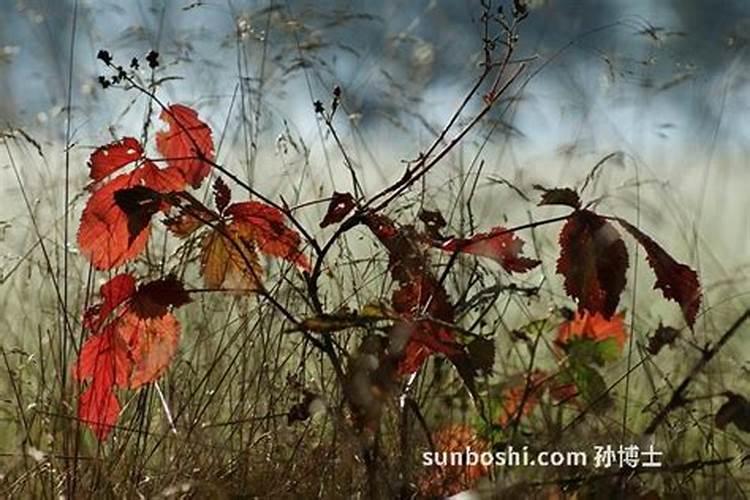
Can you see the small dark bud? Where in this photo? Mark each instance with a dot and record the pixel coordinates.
(103, 82)
(153, 59)
(319, 107)
(105, 57)
(134, 63)
(337, 92)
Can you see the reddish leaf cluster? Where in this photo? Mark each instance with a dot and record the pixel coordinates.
(419, 300)
(113, 233)
(134, 336)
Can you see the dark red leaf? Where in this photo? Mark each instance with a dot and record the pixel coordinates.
(269, 231)
(139, 204)
(593, 260)
(676, 281)
(156, 298)
(103, 235)
(186, 144)
(498, 244)
(222, 194)
(114, 293)
(434, 222)
(560, 196)
(108, 159)
(339, 207)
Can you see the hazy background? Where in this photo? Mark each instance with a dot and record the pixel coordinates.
(662, 82)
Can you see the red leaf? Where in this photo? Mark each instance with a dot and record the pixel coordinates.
(156, 298)
(112, 157)
(152, 343)
(103, 234)
(104, 359)
(222, 194)
(675, 280)
(594, 327)
(498, 244)
(98, 408)
(593, 259)
(161, 180)
(186, 144)
(105, 362)
(269, 231)
(420, 296)
(114, 293)
(339, 207)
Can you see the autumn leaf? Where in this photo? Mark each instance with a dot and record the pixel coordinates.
(338, 208)
(498, 244)
(266, 226)
(676, 281)
(107, 159)
(99, 408)
(559, 196)
(596, 327)
(104, 234)
(156, 298)
(152, 343)
(187, 144)
(230, 259)
(593, 260)
(419, 298)
(222, 194)
(104, 362)
(134, 337)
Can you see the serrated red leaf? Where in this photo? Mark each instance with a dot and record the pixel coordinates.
(268, 230)
(107, 159)
(593, 327)
(498, 244)
(186, 144)
(152, 343)
(104, 362)
(103, 234)
(338, 208)
(593, 260)
(676, 281)
(419, 299)
(99, 408)
(104, 358)
(135, 339)
(114, 293)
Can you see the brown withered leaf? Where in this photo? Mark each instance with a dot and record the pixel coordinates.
(230, 259)
(559, 196)
(664, 335)
(735, 411)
